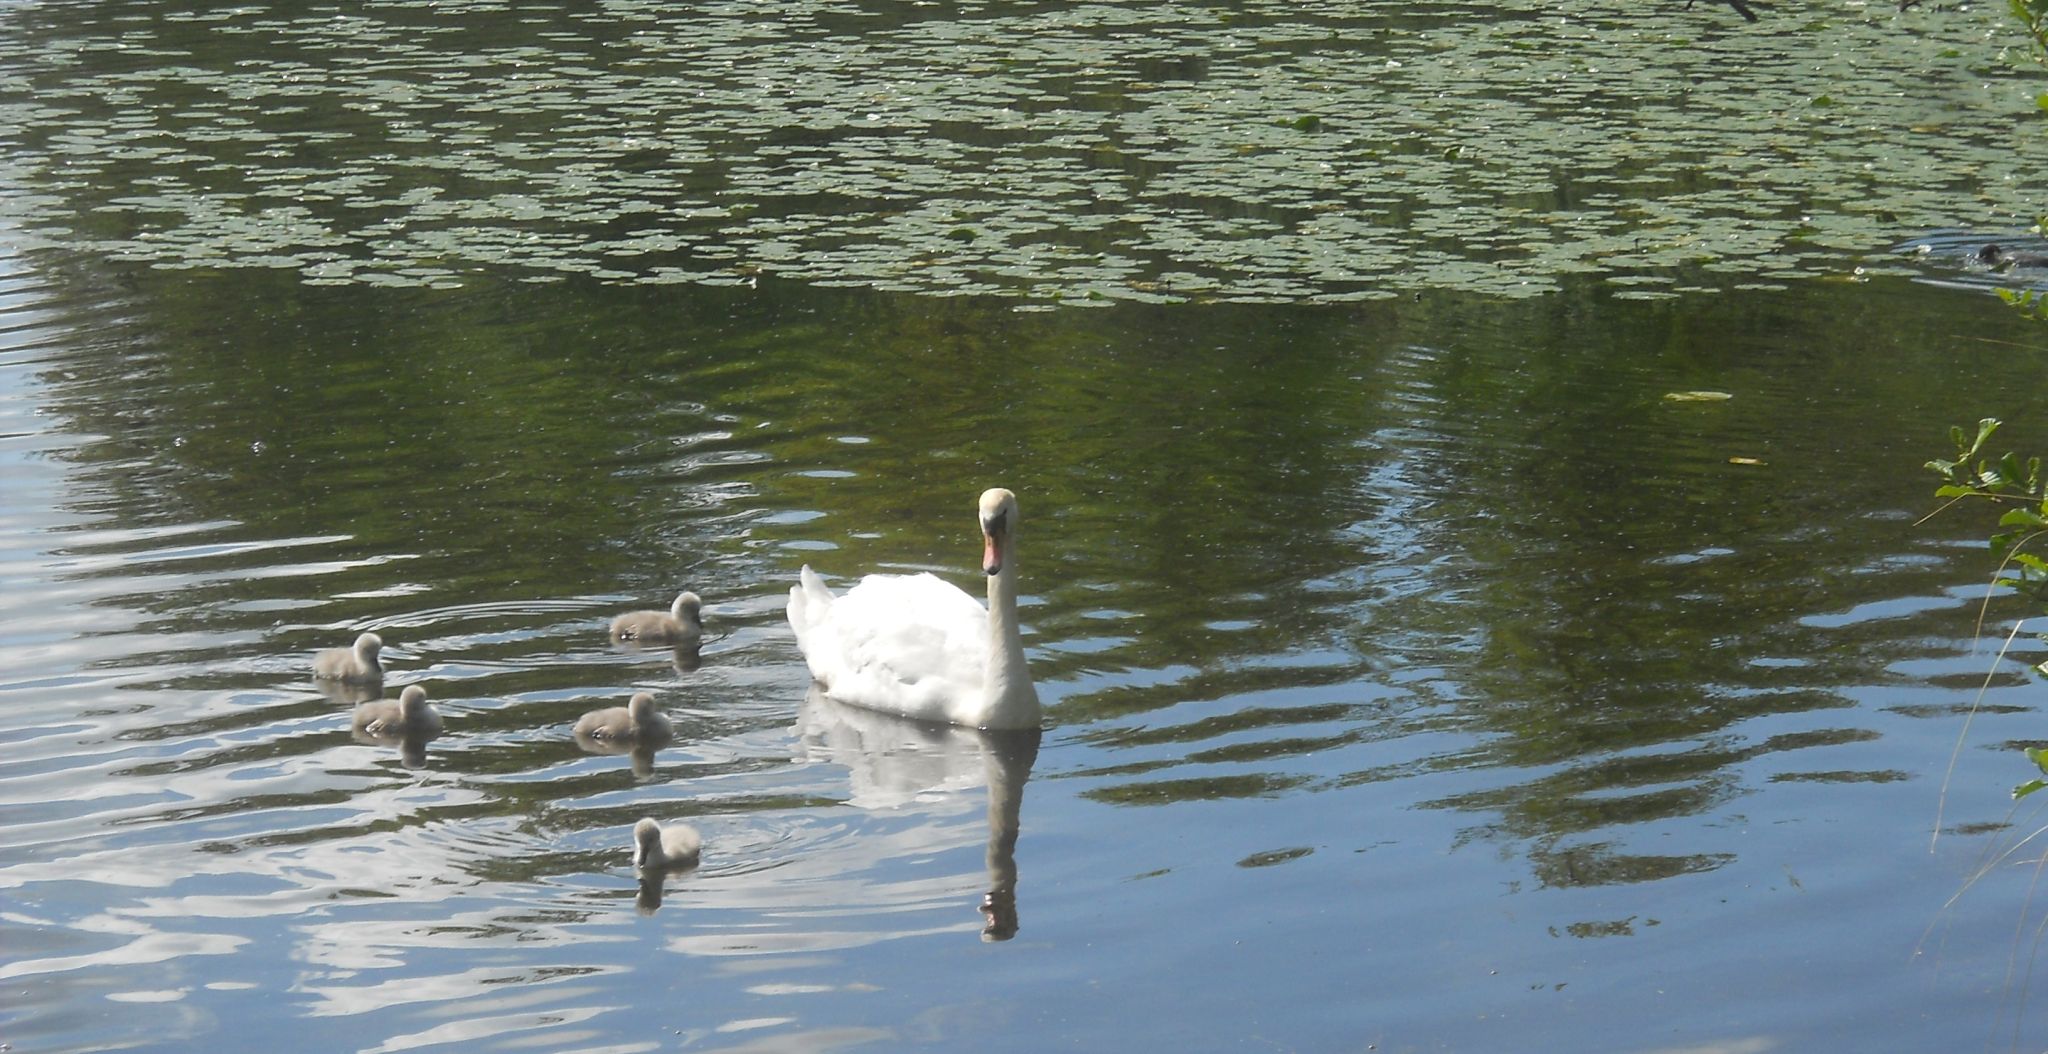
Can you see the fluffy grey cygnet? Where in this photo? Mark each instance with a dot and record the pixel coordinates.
(681, 623)
(411, 715)
(658, 848)
(638, 721)
(356, 664)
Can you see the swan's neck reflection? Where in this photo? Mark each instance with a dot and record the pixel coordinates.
(1007, 757)
(892, 761)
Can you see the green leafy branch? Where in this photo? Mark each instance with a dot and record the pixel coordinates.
(2039, 756)
(2033, 15)
(2016, 486)
(2007, 482)
(2030, 303)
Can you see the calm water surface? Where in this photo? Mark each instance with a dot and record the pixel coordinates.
(1419, 674)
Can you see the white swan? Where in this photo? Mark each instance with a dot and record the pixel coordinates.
(357, 664)
(682, 623)
(637, 722)
(919, 647)
(411, 715)
(656, 848)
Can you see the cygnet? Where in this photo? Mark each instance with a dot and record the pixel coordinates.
(357, 664)
(681, 623)
(638, 721)
(411, 715)
(656, 848)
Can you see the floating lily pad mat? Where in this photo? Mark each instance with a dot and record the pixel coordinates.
(1268, 150)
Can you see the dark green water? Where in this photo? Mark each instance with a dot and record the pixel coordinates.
(1419, 674)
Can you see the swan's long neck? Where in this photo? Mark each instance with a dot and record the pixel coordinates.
(1012, 699)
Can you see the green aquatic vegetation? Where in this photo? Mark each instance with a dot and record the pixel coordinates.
(1288, 151)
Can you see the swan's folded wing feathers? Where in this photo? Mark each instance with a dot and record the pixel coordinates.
(908, 643)
(809, 601)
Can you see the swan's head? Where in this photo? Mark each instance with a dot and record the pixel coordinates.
(646, 841)
(641, 708)
(998, 528)
(368, 645)
(412, 704)
(687, 608)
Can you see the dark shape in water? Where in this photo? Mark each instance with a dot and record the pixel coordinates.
(1996, 255)
(1740, 7)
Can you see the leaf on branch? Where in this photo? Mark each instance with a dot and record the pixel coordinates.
(2022, 517)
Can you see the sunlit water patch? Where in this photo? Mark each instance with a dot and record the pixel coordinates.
(1063, 153)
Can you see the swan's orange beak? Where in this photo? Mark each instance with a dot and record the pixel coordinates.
(992, 531)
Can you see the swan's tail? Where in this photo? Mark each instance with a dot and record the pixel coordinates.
(809, 599)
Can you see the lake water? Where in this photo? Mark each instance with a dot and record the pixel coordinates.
(1420, 673)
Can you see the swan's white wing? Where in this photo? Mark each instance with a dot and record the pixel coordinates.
(907, 644)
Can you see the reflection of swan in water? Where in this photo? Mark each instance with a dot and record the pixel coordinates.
(657, 850)
(892, 762)
(920, 647)
(357, 664)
